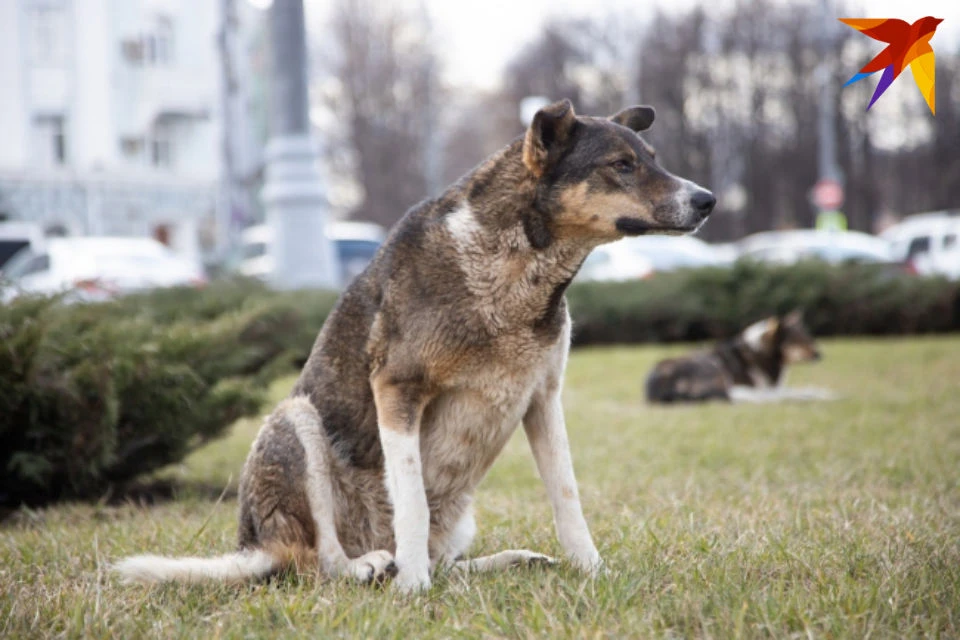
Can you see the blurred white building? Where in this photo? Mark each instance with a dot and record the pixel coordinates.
(111, 118)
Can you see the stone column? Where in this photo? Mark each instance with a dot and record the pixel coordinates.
(293, 193)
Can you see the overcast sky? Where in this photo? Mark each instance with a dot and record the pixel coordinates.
(477, 38)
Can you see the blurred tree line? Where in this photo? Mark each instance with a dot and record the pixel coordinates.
(736, 92)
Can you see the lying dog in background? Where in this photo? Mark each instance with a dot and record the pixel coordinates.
(455, 334)
(749, 367)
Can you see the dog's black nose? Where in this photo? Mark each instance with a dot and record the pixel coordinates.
(703, 203)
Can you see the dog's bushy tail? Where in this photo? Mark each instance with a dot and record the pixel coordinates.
(242, 566)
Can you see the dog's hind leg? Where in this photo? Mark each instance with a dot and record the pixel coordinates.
(462, 536)
(502, 560)
(459, 539)
(306, 422)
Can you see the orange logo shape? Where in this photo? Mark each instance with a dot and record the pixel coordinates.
(907, 44)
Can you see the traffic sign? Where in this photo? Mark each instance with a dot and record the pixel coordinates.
(827, 194)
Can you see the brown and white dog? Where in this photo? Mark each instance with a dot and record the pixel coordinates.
(455, 334)
(750, 367)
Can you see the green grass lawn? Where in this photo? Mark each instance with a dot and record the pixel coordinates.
(836, 519)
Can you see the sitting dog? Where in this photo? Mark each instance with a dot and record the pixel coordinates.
(749, 367)
(456, 333)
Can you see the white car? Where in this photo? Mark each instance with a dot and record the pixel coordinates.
(789, 247)
(98, 268)
(929, 241)
(355, 243)
(641, 257)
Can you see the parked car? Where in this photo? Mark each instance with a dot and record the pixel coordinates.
(929, 241)
(355, 243)
(612, 263)
(642, 257)
(789, 247)
(98, 268)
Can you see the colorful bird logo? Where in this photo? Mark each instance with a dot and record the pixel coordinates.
(908, 44)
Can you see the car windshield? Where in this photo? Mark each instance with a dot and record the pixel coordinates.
(9, 248)
(918, 245)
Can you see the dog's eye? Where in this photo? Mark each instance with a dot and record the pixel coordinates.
(623, 166)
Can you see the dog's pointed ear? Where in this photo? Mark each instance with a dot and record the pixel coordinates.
(762, 332)
(548, 133)
(636, 118)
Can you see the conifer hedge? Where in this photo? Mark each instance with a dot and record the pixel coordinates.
(703, 304)
(92, 395)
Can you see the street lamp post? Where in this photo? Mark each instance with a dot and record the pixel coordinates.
(293, 192)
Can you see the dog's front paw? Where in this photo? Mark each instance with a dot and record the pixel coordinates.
(375, 566)
(409, 581)
(589, 562)
(529, 558)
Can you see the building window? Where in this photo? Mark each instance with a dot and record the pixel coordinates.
(50, 141)
(131, 147)
(132, 50)
(158, 45)
(161, 145)
(48, 35)
(154, 48)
